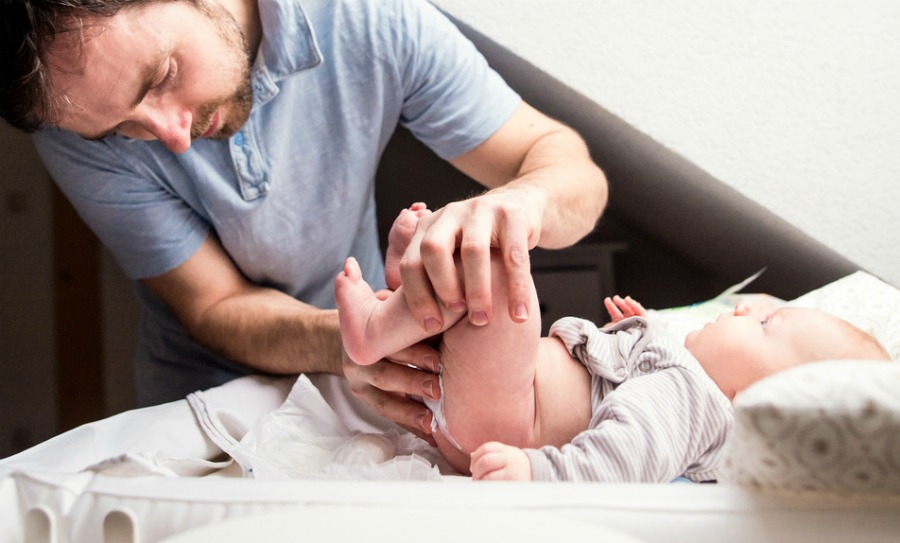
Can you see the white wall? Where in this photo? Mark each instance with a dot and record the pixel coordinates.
(795, 104)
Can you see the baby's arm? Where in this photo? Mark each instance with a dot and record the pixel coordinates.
(621, 308)
(495, 461)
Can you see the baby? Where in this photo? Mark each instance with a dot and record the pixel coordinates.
(585, 403)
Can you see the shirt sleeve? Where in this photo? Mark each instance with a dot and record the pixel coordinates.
(651, 429)
(453, 101)
(147, 227)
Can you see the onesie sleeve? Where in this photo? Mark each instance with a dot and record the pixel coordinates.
(650, 429)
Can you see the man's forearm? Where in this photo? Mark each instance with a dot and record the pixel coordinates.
(272, 332)
(544, 168)
(573, 189)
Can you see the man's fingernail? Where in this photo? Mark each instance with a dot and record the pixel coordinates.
(479, 318)
(420, 420)
(428, 388)
(432, 363)
(457, 306)
(521, 312)
(432, 326)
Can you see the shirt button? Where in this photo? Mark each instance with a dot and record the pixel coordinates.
(239, 139)
(644, 366)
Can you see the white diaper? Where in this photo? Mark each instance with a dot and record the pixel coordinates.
(438, 421)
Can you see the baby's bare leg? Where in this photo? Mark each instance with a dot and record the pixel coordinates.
(488, 378)
(489, 372)
(371, 328)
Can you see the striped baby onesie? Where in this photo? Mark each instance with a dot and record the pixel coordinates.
(656, 415)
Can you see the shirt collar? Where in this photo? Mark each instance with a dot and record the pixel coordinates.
(289, 44)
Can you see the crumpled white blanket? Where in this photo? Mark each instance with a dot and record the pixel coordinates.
(305, 438)
(157, 463)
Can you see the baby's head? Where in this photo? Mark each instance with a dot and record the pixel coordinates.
(741, 348)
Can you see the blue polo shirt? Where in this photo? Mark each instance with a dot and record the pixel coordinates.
(291, 195)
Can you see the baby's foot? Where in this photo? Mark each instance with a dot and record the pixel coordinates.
(373, 328)
(401, 234)
(356, 305)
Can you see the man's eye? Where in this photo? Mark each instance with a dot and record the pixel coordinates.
(170, 75)
(764, 323)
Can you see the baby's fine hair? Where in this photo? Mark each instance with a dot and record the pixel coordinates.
(861, 344)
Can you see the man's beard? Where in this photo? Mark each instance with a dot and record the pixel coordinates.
(237, 111)
(236, 107)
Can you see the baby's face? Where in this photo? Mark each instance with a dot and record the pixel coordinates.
(743, 347)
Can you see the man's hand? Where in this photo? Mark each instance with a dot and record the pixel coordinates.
(544, 190)
(392, 388)
(498, 462)
(429, 271)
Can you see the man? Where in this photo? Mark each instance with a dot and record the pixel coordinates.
(225, 152)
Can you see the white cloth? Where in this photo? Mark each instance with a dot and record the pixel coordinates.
(306, 438)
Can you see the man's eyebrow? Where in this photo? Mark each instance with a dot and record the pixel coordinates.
(151, 74)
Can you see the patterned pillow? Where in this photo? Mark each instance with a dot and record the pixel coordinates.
(834, 425)
(827, 426)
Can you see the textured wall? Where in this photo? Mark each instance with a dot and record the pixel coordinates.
(795, 104)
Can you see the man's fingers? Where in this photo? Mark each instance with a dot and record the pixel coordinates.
(392, 378)
(420, 355)
(438, 248)
(517, 264)
(421, 431)
(394, 406)
(428, 270)
(417, 288)
(475, 258)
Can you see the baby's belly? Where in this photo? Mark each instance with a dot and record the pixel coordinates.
(563, 391)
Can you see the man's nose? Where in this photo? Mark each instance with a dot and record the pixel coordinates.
(741, 310)
(171, 125)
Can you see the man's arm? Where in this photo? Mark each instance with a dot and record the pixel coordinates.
(545, 191)
(273, 332)
(260, 327)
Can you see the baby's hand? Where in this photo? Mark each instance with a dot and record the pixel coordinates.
(498, 462)
(621, 308)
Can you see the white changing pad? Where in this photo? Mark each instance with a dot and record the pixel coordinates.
(161, 471)
(378, 524)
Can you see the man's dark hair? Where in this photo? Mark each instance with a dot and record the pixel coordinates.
(27, 29)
